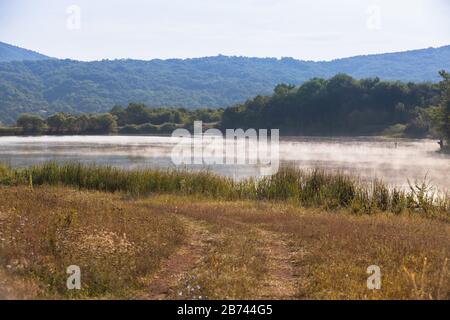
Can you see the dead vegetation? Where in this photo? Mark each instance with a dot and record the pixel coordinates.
(114, 242)
(174, 246)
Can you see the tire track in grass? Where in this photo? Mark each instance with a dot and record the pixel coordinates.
(282, 277)
(165, 282)
(281, 283)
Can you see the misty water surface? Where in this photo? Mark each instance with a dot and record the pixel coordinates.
(393, 161)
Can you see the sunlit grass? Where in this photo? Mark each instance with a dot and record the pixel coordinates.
(331, 252)
(116, 243)
(120, 243)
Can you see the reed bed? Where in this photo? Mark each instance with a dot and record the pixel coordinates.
(309, 188)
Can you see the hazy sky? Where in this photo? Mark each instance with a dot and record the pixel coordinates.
(312, 30)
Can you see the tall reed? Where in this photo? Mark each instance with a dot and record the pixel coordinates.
(304, 187)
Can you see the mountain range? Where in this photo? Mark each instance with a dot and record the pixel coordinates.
(34, 83)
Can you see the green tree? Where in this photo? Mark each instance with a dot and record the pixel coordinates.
(444, 127)
(31, 124)
(120, 114)
(57, 123)
(81, 124)
(137, 114)
(283, 89)
(105, 123)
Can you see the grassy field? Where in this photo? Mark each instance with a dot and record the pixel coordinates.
(177, 236)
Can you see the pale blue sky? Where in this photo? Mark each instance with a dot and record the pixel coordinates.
(311, 30)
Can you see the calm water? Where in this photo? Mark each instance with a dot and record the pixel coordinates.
(393, 161)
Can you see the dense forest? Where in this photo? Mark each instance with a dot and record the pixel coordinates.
(443, 112)
(340, 105)
(49, 86)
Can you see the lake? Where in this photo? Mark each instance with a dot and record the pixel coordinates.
(392, 160)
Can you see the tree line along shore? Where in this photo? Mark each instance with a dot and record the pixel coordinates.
(340, 105)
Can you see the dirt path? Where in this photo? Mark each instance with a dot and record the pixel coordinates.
(164, 284)
(281, 281)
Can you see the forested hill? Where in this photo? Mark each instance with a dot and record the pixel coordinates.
(48, 86)
(12, 53)
(414, 65)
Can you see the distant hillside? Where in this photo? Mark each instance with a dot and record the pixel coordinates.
(12, 53)
(414, 65)
(63, 85)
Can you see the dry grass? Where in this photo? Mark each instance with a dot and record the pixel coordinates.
(234, 267)
(115, 242)
(332, 251)
(120, 242)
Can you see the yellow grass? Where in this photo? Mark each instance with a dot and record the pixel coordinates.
(171, 246)
(115, 242)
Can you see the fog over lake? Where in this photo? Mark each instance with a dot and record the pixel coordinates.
(392, 160)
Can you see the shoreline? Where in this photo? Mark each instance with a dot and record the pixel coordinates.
(318, 188)
(288, 136)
